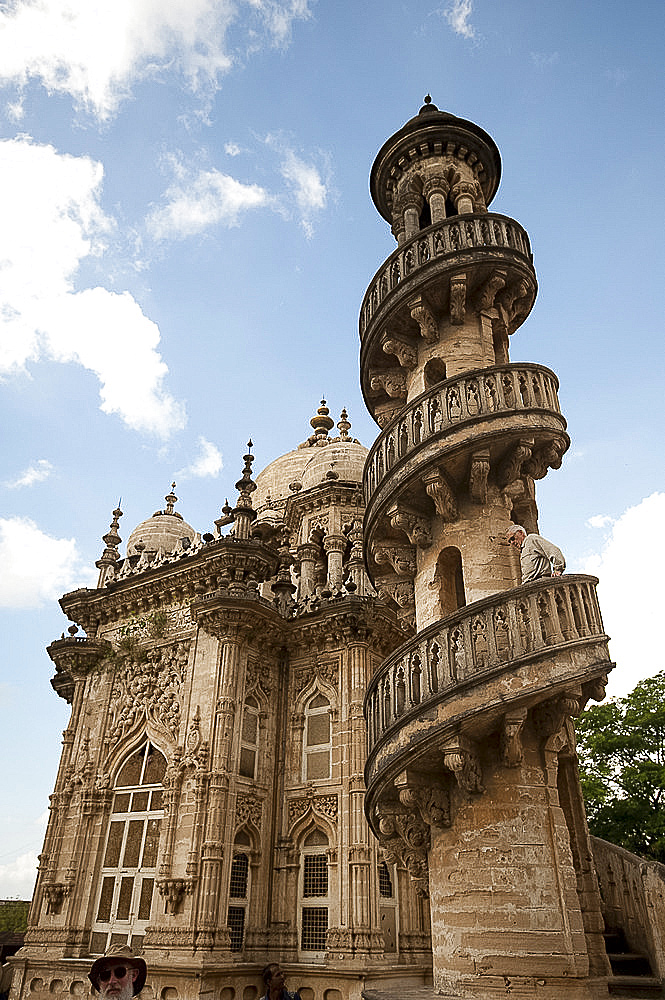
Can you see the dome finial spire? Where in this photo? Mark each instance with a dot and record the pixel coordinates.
(171, 500)
(109, 557)
(322, 422)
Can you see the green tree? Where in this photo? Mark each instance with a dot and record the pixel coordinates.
(621, 748)
(13, 915)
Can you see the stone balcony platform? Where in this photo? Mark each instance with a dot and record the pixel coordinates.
(463, 677)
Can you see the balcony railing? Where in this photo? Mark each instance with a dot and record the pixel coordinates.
(471, 398)
(454, 236)
(428, 676)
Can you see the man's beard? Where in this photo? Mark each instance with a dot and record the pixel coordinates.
(126, 992)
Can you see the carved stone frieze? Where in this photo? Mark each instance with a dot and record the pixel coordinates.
(478, 473)
(440, 491)
(415, 526)
(406, 353)
(149, 690)
(510, 468)
(457, 299)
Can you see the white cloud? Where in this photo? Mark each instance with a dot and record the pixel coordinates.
(52, 223)
(97, 50)
(232, 149)
(632, 591)
(208, 462)
(17, 878)
(35, 473)
(310, 191)
(197, 201)
(543, 60)
(37, 568)
(600, 521)
(457, 14)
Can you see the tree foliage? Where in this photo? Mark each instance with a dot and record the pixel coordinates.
(13, 916)
(621, 749)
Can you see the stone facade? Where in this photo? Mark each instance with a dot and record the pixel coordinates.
(336, 732)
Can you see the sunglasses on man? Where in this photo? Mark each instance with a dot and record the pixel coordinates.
(119, 971)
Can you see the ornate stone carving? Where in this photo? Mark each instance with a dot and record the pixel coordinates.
(461, 758)
(457, 299)
(547, 457)
(487, 293)
(149, 690)
(392, 383)
(249, 809)
(415, 526)
(401, 557)
(478, 473)
(55, 894)
(439, 490)
(405, 840)
(511, 738)
(406, 354)
(325, 805)
(551, 716)
(173, 891)
(326, 670)
(424, 317)
(430, 800)
(510, 468)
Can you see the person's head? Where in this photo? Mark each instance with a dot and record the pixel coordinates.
(516, 535)
(273, 977)
(118, 974)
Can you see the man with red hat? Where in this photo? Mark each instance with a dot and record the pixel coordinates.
(118, 975)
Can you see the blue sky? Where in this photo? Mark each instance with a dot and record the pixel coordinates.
(187, 236)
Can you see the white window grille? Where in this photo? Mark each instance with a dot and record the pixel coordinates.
(315, 895)
(249, 738)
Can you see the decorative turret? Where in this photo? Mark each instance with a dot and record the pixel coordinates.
(109, 558)
(459, 717)
(243, 513)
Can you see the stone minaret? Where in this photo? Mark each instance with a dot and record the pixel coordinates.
(471, 775)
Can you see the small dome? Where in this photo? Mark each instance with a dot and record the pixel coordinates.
(274, 481)
(343, 461)
(161, 531)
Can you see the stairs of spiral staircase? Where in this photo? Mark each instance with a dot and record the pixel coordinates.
(632, 975)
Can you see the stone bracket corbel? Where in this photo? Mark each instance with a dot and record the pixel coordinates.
(460, 756)
(457, 299)
(424, 317)
(512, 751)
(478, 474)
(405, 840)
(415, 526)
(510, 468)
(547, 457)
(393, 383)
(430, 800)
(484, 299)
(402, 558)
(406, 353)
(440, 491)
(551, 716)
(55, 894)
(173, 891)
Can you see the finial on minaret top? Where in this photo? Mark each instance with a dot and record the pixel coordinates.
(322, 422)
(428, 106)
(244, 513)
(344, 424)
(109, 557)
(171, 500)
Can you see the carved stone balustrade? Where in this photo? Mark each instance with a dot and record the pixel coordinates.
(502, 421)
(486, 252)
(466, 676)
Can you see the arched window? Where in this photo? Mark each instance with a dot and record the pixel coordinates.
(387, 909)
(316, 753)
(249, 738)
(239, 890)
(127, 890)
(314, 894)
(451, 581)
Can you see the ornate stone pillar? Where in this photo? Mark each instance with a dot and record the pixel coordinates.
(307, 554)
(334, 546)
